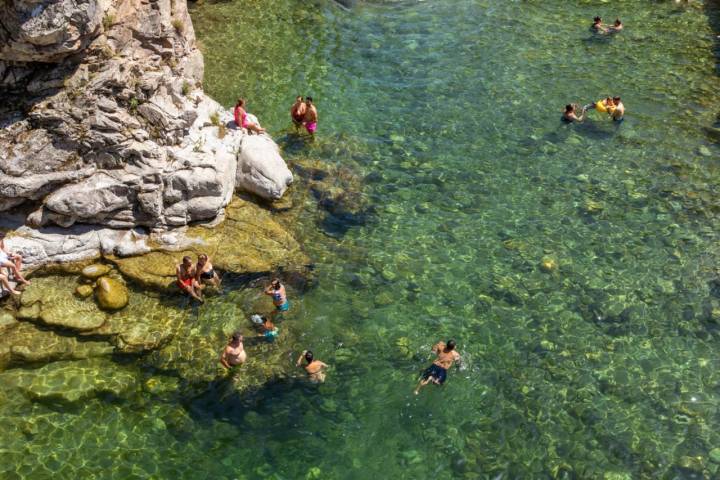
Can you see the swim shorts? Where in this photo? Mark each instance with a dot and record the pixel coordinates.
(437, 373)
(311, 127)
(284, 307)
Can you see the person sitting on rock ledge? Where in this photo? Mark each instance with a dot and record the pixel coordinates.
(245, 120)
(205, 273)
(186, 279)
(234, 353)
(12, 262)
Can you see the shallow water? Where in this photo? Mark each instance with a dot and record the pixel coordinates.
(603, 367)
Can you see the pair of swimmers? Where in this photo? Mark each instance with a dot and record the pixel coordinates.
(613, 106)
(303, 112)
(598, 27)
(191, 279)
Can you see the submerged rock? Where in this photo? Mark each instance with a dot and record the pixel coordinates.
(548, 264)
(54, 304)
(111, 294)
(96, 271)
(69, 381)
(84, 291)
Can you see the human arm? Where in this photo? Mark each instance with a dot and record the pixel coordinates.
(177, 273)
(223, 359)
(299, 360)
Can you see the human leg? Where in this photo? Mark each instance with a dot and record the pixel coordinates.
(6, 285)
(12, 267)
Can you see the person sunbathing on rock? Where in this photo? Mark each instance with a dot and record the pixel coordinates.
(245, 120)
(185, 272)
(205, 273)
(12, 262)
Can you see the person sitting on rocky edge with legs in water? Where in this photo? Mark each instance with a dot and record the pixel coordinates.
(244, 119)
(205, 273)
(185, 272)
(12, 262)
(437, 372)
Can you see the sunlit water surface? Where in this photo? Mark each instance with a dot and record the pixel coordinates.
(604, 367)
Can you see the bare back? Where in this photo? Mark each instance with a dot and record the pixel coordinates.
(445, 358)
(311, 114)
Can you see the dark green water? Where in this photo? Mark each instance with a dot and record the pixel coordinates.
(603, 368)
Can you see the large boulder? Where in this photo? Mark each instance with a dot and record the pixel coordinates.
(47, 31)
(111, 294)
(261, 170)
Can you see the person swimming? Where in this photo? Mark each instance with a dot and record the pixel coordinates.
(277, 291)
(618, 111)
(616, 27)
(570, 114)
(597, 26)
(314, 368)
(437, 372)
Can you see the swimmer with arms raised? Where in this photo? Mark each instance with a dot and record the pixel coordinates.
(437, 372)
(314, 368)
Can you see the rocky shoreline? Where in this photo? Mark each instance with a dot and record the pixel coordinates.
(113, 165)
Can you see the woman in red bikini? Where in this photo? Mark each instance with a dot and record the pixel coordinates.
(241, 118)
(186, 279)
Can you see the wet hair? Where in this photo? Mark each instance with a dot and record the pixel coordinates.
(237, 336)
(202, 256)
(450, 345)
(240, 101)
(616, 99)
(569, 108)
(309, 356)
(309, 99)
(276, 284)
(597, 19)
(300, 97)
(187, 259)
(618, 22)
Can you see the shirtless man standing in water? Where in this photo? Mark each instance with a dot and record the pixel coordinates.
(311, 116)
(234, 353)
(297, 111)
(437, 372)
(314, 368)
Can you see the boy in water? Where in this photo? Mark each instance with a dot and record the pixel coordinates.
(437, 372)
(617, 26)
(297, 111)
(570, 114)
(618, 111)
(310, 118)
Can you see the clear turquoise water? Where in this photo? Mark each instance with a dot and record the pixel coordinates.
(450, 109)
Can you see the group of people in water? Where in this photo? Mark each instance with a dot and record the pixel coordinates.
(613, 106)
(234, 353)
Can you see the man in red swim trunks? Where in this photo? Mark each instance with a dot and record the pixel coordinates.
(185, 272)
(297, 111)
(311, 116)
